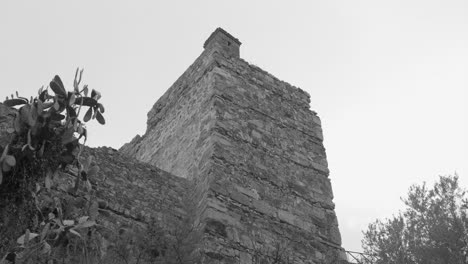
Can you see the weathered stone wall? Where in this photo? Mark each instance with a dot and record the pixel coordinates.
(270, 178)
(179, 123)
(130, 195)
(254, 150)
(135, 190)
(179, 128)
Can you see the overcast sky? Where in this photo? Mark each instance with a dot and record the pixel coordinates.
(389, 79)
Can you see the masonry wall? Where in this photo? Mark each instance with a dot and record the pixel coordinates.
(254, 151)
(269, 176)
(179, 131)
(133, 190)
(179, 124)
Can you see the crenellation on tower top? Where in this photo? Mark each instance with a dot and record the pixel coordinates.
(223, 42)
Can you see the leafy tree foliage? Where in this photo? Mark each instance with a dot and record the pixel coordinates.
(433, 229)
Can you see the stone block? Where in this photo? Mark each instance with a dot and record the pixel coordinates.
(306, 226)
(245, 258)
(216, 227)
(246, 241)
(286, 217)
(335, 235)
(216, 204)
(320, 167)
(316, 120)
(252, 193)
(239, 197)
(230, 219)
(264, 208)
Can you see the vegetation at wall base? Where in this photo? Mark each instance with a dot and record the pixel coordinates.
(45, 144)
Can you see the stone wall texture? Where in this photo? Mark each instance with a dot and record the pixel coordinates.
(254, 152)
(134, 192)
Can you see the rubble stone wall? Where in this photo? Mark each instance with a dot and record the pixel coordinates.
(255, 152)
(269, 178)
(179, 124)
(135, 190)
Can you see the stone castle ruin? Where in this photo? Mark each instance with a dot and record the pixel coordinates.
(247, 150)
(254, 151)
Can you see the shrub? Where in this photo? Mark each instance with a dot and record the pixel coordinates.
(47, 142)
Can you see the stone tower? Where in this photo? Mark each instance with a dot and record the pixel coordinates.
(253, 150)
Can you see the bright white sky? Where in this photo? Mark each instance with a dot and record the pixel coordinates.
(388, 78)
